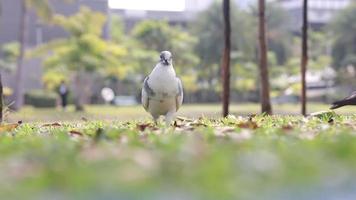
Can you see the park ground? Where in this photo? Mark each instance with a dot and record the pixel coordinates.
(117, 153)
(115, 113)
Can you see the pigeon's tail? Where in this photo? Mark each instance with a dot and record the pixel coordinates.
(337, 104)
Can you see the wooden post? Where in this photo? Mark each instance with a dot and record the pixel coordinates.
(304, 61)
(226, 58)
(264, 93)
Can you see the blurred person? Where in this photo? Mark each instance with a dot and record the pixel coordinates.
(63, 92)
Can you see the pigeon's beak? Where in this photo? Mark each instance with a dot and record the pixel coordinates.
(165, 62)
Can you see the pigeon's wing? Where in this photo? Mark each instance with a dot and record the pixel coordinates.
(352, 96)
(179, 96)
(146, 94)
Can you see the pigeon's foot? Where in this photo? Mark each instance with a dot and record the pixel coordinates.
(169, 118)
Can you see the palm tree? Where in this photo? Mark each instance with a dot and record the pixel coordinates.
(43, 10)
(304, 62)
(226, 58)
(265, 97)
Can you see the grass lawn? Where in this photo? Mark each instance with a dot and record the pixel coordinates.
(261, 157)
(30, 114)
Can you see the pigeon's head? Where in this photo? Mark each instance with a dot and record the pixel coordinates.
(166, 58)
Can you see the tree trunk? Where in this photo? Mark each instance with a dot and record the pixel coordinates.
(20, 60)
(82, 90)
(264, 93)
(226, 58)
(304, 61)
(78, 93)
(1, 101)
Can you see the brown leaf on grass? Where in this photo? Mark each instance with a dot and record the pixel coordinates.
(8, 127)
(250, 117)
(73, 133)
(180, 118)
(196, 123)
(249, 125)
(84, 119)
(287, 127)
(142, 127)
(53, 124)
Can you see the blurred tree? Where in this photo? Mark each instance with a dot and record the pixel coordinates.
(278, 32)
(83, 53)
(51, 79)
(156, 36)
(151, 37)
(263, 64)
(10, 52)
(117, 32)
(343, 29)
(43, 10)
(207, 27)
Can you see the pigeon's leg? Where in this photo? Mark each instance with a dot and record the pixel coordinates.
(169, 117)
(155, 119)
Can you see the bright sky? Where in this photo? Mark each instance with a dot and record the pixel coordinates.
(158, 5)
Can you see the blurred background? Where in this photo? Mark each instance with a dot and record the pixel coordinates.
(88, 45)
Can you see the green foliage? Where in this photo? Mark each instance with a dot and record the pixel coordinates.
(51, 79)
(117, 32)
(343, 29)
(156, 36)
(223, 158)
(208, 28)
(84, 50)
(41, 7)
(41, 98)
(10, 52)
(245, 76)
(278, 31)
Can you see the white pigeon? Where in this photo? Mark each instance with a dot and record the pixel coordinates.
(162, 92)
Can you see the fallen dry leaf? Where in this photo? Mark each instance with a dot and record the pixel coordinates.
(180, 118)
(73, 132)
(142, 127)
(287, 127)
(8, 127)
(53, 124)
(249, 125)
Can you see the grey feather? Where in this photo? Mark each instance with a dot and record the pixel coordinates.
(147, 92)
(179, 97)
(147, 88)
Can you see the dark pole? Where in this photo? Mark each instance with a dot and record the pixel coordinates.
(304, 62)
(226, 58)
(264, 93)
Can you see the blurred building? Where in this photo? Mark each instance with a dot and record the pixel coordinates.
(177, 12)
(37, 33)
(320, 11)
